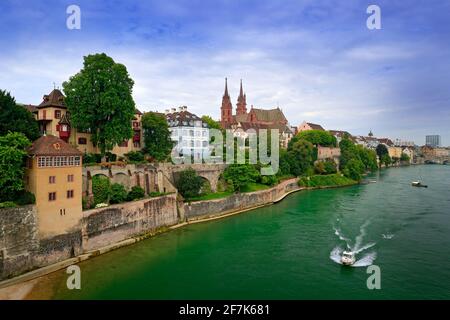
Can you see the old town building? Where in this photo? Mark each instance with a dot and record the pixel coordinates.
(53, 175)
(54, 119)
(306, 126)
(189, 132)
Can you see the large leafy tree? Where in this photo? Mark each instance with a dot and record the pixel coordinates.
(15, 118)
(158, 143)
(302, 155)
(348, 152)
(12, 164)
(99, 99)
(382, 150)
(318, 137)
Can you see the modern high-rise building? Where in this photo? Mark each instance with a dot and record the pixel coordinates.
(433, 140)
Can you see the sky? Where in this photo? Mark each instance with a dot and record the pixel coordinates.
(315, 59)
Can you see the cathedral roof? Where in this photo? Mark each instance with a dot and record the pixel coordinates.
(270, 115)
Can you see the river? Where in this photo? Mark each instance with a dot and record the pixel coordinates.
(286, 251)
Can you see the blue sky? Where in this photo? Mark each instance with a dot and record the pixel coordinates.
(314, 59)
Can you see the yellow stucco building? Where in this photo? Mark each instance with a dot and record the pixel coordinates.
(54, 176)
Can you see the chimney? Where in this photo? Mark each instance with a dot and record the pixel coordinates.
(184, 108)
(180, 108)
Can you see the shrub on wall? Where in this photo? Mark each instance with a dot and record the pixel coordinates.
(111, 157)
(118, 193)
(269, 180)
(330, 166)
(7, 204)
(135, 193)
(92, 158)
(100, 189)
(25, 198)
(135, 156)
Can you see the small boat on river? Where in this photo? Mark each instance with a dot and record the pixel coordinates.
(419, 184)
(348, 258)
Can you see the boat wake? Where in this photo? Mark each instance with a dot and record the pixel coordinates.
(357, 248)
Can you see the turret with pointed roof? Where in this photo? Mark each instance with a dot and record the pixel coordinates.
(54, 99)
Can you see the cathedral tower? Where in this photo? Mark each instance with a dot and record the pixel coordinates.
(242, 102)
(226, 109)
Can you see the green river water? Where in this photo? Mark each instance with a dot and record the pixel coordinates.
(286, 251)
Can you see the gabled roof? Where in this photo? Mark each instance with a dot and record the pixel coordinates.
(30, 108)
(179, 117)
(386, 141)
(54, 99)
(315, 126)
(52, 146)
(270, 115)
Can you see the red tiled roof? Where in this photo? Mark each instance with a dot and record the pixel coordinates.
(52, 146)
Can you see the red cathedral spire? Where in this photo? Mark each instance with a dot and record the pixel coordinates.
(226, 109)
(242, 102)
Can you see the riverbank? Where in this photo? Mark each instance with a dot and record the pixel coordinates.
(203, 211)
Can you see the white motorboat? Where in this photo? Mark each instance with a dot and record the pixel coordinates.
(418, 184)
(348, 258)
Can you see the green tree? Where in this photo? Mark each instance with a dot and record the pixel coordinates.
(404, 157)
(348, 151)
(212, 124)
(284, 164)
(12, 164)
(302, 155)
(386, 160)
(15, 118)
(99, 100)
(330, 167)
(382, 150)
(118, 193)
(240, 175)
(368, 157)
(354, 169)
(318, 137)
(189, 183)
(319, 168)
(158, 143)
(101, 189)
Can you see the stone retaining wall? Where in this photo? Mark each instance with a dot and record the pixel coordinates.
(239, 201)
(21, 250)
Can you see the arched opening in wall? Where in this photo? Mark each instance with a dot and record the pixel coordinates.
(206, 186)
(123, 179)
(139, 181)
(100, 188)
